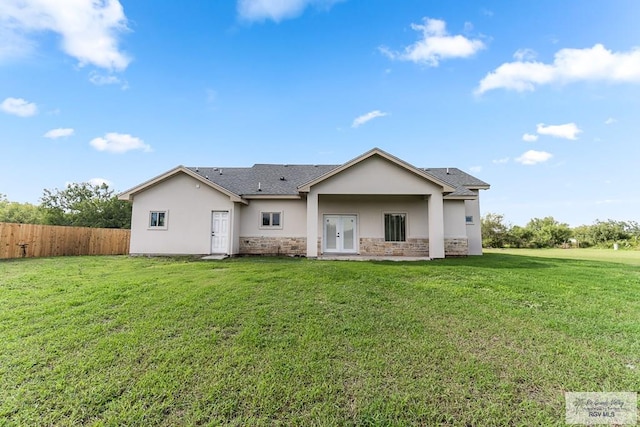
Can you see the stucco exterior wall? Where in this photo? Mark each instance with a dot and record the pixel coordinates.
(379, 176)
(294, 218)
(474, 231)
(389, 183)
(454, 219)
(188, 205)
(370, 212)
(368, 190)
(289, 239)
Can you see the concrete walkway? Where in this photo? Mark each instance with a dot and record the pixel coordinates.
(215, 257)
(343, 258)
(371, 258)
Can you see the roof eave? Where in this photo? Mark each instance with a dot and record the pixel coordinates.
(272, 196)
(460, 197)
(478, 187)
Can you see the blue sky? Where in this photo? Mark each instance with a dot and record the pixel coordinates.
(539, 98)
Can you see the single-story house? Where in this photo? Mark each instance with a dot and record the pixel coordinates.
(375, 204)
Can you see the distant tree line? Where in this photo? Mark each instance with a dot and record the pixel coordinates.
(549, 233)
(79, 204)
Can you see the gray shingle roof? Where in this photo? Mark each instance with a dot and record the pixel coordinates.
(272, 179)
(460, 180)
(276, 180)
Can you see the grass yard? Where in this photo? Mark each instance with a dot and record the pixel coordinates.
(630, 257)
(493, 340)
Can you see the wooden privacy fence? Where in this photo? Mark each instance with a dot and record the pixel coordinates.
(31, 240)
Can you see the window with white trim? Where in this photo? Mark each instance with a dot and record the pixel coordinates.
(271, 219)
(395, 227)
(469, 219)
(158, 219)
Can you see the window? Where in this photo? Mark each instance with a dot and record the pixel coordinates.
(395, 227)
(158, 219)
(469, 219)
(271, 219)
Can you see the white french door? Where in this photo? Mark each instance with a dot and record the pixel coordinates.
(219, 232)
(340, 233)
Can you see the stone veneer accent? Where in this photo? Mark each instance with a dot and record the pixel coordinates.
(378, 247)
(456, 247)
(412, 247)
(293, 246)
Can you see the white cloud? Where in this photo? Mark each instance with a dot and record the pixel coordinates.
(359, 121)
(529, 137)
(119, 143)
(569, 65)
(610, 121)
(533, 157)
(525, 55)
(486, 12)
(436, 44)
(19, 107)
(12, 44)
(278, 10)
(89, 29)
(109, 79)
(566, 131)
(475, 169)
(501, 161)
(59, 133)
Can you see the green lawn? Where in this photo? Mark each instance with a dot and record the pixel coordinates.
(631, 257)
(492, 340)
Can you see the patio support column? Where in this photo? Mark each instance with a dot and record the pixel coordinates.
(235, 229)
(436, 226)
(312, 224)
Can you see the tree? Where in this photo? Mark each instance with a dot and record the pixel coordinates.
(85, 205)
(494, 231)
(22, 213)
(605, 233)
(583, 236)
(519, 237)
(547, 232)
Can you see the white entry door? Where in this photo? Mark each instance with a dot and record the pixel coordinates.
(219, 232)
(340, 233)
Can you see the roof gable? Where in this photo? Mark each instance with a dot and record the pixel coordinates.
(129, 194)
(446, 187)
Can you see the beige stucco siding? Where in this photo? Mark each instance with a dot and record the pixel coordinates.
(294, 217)
(474, 231)
(386, 183)
(376, 175)
(454, 219)
(188, 204)
(370, 211)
